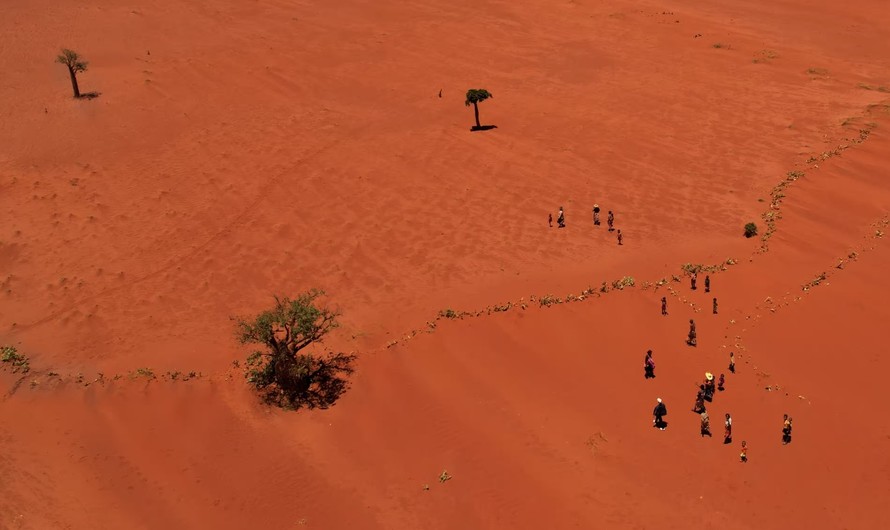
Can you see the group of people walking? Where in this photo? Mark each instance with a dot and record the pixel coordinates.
(707, 388)
(610, 221)
(706, 393)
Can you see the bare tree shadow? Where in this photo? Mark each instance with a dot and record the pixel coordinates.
(90, 95)
(329, 382)
(483, 128)
(320, 388)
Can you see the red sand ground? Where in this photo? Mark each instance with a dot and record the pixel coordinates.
(251, 148)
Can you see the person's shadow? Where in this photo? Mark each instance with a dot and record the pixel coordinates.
(661, 425)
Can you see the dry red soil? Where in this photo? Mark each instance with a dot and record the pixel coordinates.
(241, 149)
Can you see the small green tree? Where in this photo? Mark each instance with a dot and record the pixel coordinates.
(750, 230)
(283, 371)
(474, 97)
(75, 66)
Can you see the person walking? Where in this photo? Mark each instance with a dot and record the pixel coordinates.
(659, 412)
(720, 383)
(664, 306)
(620, 238)
(709, 386)
(786, 430)
(715, 305)
(743, 455)
(692, 341)
(550, 219)
(649, 365)
(693, 279)
(705, 425)
(707, 283)
(699, 406)
(731, 363)
(561, 218)
(596, 214)
(610, 220)
(727, 429)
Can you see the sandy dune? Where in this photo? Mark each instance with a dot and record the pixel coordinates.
(246, 149)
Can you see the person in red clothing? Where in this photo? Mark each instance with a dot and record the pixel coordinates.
(664, 306)
(707, 283)
(692, 335)
(620, 238)
(720, 383)
(743, 456)
(550, 219)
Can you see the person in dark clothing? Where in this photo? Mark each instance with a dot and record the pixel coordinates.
(692, 335)
(610, 220)
(699, 406)
(707, 283)
(561, 218)
(692, 280)
(620, 238)
(550, 219)
(709, 386)
(731, 362)
(720, 383)
(664, 305)
(649, 365)
(660, 412)
(596, 214)
(705, 425)
(727, 429)
(715, 305)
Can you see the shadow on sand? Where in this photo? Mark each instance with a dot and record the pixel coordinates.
(483, 128)
(321, 389)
